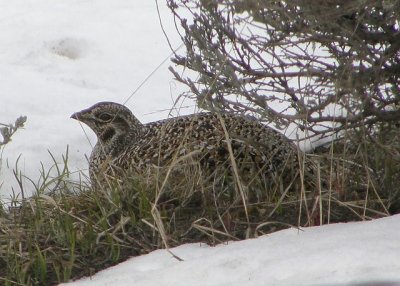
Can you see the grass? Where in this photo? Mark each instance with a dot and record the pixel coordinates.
(68, 230)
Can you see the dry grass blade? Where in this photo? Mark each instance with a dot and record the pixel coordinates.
(74, 230)
(234, 167)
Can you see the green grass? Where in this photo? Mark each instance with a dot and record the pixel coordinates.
(67, 229)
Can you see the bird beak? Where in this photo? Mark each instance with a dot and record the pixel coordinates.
(83, 115)
(77, 116)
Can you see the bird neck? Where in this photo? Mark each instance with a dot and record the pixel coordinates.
(112, 141)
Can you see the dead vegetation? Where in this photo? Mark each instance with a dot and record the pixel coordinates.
(73, 230)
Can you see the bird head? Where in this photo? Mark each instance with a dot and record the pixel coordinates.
(108, 120)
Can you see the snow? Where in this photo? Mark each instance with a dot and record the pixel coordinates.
(58, 57)
(359, 253)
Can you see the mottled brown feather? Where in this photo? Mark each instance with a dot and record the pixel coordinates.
(125, 143)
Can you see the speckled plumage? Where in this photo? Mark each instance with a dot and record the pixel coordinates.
(125, 143)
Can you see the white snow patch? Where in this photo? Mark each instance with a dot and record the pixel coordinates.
(58, 57)
(359, 253)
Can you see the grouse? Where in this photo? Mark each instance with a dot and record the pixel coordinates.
(215, 139)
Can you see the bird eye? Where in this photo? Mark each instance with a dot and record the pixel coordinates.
(105, 116)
